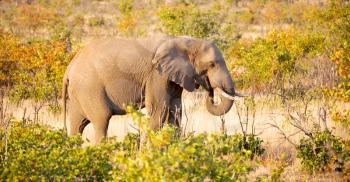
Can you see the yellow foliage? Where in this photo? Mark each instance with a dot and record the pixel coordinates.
(34, 69)
(32, 17)
(126, 25)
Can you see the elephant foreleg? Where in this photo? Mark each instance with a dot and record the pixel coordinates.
(163, 102)
(159, 114)
(168, 112)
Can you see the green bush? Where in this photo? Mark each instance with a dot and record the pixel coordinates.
(197, 158)
(96, 21)
(272, 60)
(188, 20)
(166, 156)
(125, 7)
(213, 23)
(38, 153)
(324, 152)
(334, 19)
(34, 152)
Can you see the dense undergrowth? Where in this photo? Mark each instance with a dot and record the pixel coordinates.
(34, 152)
(324, 152)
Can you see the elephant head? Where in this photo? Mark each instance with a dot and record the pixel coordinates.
(192, 63)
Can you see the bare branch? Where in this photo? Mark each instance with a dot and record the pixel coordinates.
(284, 135)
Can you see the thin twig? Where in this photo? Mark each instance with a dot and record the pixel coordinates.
(282, 133)
(223, 128)
(240, 119)
(185, 113)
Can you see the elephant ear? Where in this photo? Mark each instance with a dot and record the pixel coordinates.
(174, 63)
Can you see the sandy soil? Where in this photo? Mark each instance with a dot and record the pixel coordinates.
(195, 118)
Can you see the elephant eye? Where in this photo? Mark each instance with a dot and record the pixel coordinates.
(212, 65)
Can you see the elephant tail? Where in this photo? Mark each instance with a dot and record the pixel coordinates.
(64, 97)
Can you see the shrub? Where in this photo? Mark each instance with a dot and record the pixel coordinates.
(274, 59)
(33, 69)
(125, 7)
(165, 156)
(131, 19)
(96, 21)
(127, 25)
(197, 158)
(342, 117)
(324, 152)
(335, 21)
(35, 153)
(188, 20)
(277, 169)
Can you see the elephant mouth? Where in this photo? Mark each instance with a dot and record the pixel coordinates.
(221, 92)
(197, 85)
(202, 81)
(206, 84)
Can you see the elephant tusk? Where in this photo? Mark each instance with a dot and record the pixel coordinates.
(223, 93)
(241, 95)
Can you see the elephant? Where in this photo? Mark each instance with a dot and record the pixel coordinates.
(111, 73)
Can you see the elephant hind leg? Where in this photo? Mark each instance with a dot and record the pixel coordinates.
(99, 113)
(75, 120)
(97, 109)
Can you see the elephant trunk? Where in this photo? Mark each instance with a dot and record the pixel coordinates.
(226, 102)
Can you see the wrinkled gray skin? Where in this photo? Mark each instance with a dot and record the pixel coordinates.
(111, 73)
